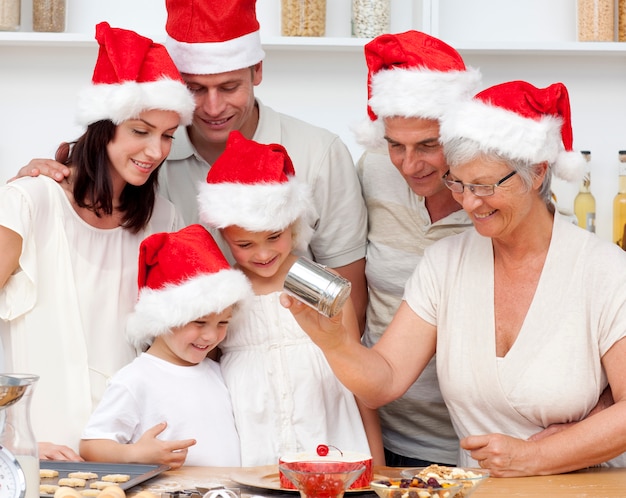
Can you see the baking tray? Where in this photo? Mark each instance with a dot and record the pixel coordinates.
(138, 473)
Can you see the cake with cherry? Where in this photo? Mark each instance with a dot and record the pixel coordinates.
(328, 453)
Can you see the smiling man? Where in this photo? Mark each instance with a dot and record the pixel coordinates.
(412, 79)
(217, 48)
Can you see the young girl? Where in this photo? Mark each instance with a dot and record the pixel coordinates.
(285, 397)
(69, 251)
(173, 391)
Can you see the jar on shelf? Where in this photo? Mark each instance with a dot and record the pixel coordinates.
(621, 20)
(9, 15)
(596, 20)
(303, 17)
(49, 15)
(370, 18)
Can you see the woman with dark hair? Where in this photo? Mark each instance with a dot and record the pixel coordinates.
(68, 272)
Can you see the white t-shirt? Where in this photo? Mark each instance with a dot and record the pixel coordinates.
(193, 400)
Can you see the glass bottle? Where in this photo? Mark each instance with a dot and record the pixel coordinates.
(621, 20)
(619, 204)
(370, 18)
(303, 17)
(585, 202)
(17, 434)
(49, 15)
(10, 15)
(595, 19)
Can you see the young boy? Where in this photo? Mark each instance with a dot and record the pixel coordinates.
(170, 405)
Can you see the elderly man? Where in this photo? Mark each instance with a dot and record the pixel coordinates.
(412, 79)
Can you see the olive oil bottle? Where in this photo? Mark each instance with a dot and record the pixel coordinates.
(585, 202)
(619, 204)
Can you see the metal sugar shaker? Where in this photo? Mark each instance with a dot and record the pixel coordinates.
(317, 287)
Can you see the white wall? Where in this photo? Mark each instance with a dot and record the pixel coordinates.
(38, 84)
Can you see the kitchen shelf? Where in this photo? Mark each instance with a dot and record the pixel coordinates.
(69, 40)
(35, 39)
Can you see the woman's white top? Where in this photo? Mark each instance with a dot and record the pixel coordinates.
(553, 372)
(65, 308)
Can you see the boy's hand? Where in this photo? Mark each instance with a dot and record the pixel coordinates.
(151, 449)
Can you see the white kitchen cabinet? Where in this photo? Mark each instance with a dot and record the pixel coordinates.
(323, 80)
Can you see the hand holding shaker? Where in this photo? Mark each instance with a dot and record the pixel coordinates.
(317, 287)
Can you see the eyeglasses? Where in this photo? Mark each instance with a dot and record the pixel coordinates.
(475, 188)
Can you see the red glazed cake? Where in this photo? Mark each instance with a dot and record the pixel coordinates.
(332, 455)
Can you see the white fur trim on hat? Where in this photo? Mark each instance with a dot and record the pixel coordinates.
(158, 311)
(420, 93)
(371, 135)
(413, 93)
(504, 132)
(259, 207)
(514, 136)
(122, 101)
(570, 166)
(216, 57)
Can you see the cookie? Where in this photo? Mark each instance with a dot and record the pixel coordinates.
(90, 492)
(115, 478)
(101, 484)
(72, 482)
(47, 489)
(65, 492)
(46, 473)
(112, 492)
(83, 475)
(145, 494)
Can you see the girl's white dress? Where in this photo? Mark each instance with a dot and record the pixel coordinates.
(65, 308)
(285, 396)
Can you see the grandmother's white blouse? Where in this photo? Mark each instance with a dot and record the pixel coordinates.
(553, 371)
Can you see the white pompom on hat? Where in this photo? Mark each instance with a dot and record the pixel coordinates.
(522, 122)
(132, 74)
(183, 276)
(253, 186)
(411, 74)
(211, 37)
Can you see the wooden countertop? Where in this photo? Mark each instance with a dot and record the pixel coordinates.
(593, 483)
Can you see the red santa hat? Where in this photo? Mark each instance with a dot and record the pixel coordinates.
(210, 37)
(521, 122)
(411, 74)
(253, 186)
(132, 74)
(183, 276)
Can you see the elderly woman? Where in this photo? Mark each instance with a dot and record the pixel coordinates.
(527, 312)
